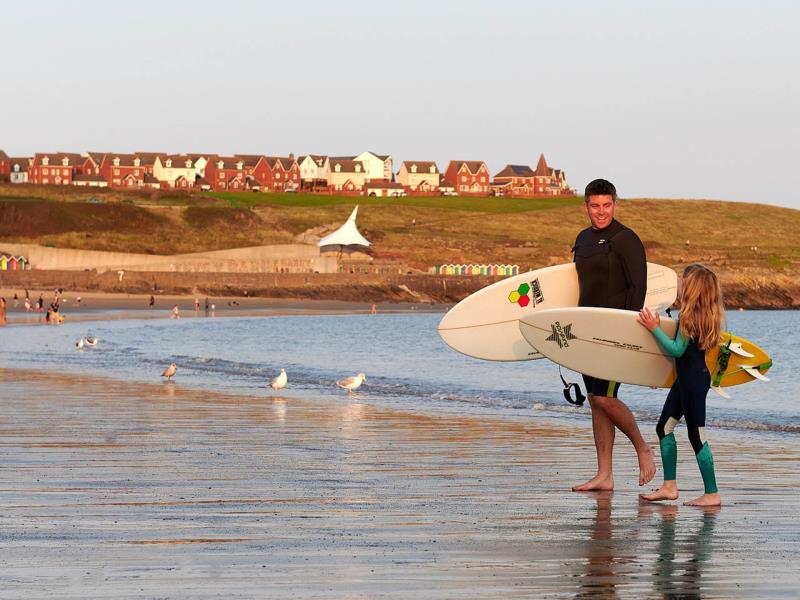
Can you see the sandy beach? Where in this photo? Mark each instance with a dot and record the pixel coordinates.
(160, 491)
(99, 306)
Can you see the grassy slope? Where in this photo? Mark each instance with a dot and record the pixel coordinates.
(426, 231)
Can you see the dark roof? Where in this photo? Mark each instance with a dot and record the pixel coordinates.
(542, 170)
(3, 155)
(149, 158)
(150, 178)
(444, 183)
(348, 166)
(177, 158)
(125, 160)
(516, 171)
(472, 165)
(421, 164)
(22, 161)
(250, 160)
(56, 158)
(228, 162)
(97, 156)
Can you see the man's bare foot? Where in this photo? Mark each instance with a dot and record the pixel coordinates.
(598, 483)
(705, 500)
(647, 467)
(665, 492)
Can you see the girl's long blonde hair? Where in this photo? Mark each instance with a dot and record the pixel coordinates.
(702, 312)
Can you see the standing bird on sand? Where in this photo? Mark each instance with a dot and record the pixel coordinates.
(80, 343)
(92, 341)
(352, 383)
(170, 371)
(279, 382)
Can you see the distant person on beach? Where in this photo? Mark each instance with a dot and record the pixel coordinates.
(176, 312)
(152, 302)
(3, 311)
(16, 300)
(374, 309)
(196, 305)
(27, 305)
(40, 304)
(612, 273)
(699, 329)
(78, 301)
(206, 306)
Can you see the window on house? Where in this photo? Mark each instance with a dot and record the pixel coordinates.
(116, 171)
(44, 172)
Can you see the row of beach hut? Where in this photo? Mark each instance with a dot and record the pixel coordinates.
(13, 263)
(501, 270)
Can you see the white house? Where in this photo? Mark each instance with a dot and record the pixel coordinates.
(419, 175)
(175, 170)
(19, 169)
(377, 166)
(314, 170)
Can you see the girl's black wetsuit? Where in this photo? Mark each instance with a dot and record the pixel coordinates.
(686, 398)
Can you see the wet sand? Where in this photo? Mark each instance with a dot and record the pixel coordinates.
(159, 491)
(101, 306)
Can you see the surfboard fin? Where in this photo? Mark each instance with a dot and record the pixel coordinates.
(725, 395)
(753, 372)
(737, 349)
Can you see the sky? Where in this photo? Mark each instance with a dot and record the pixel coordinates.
(665, 99)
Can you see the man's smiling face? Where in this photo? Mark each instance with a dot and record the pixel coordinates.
(600, 210)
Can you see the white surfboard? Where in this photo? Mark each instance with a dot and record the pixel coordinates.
(485, 325)
(610, 344)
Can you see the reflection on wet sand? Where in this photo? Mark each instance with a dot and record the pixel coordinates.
(678, 570)
(613, 550)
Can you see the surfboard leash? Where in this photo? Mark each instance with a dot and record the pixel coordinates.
(568, 387)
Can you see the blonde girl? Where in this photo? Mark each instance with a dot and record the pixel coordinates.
(699, 329)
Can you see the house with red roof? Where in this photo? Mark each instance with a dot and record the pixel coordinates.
(59, 168)
(468, 177)
(279, 174)
(515, 180)
(226, 173)
(550, 182)
(123, 170)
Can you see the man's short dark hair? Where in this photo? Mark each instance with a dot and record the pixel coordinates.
(600, 187)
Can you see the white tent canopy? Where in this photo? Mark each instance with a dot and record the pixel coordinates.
(346, 235)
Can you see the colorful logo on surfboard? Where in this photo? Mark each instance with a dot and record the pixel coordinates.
(526, 294)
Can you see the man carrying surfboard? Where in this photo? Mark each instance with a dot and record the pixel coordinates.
(612, 273)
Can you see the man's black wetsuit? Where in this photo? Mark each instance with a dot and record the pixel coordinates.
(612, 273)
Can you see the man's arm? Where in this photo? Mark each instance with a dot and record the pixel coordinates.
(631, 254)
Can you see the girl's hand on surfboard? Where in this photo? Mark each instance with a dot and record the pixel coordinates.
(648, 318)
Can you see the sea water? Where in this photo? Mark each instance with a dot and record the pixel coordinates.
(406, 363)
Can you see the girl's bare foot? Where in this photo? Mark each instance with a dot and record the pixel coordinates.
(705, 500)
(667, 491)
(598, 483)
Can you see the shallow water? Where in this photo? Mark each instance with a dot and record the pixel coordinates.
(406, 363)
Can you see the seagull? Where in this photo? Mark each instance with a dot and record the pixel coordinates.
(92, 341)
(352, 383)
(279, 382)
(80, 343)
(170, 371)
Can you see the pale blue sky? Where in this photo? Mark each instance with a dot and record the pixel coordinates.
(666, 99)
